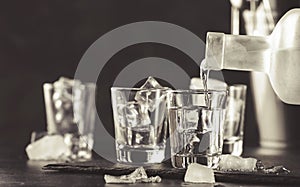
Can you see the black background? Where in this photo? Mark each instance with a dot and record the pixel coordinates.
(42, 40)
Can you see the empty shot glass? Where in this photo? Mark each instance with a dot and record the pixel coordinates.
(70, 111)
(140, 124)
(196, 120)
(234, 120)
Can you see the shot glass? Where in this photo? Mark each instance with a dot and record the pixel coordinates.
(234, 120)
(195, 119)
(140, 124)
(70, 112)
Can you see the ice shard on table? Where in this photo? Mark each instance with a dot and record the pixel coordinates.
(236, 163)
(138, 176)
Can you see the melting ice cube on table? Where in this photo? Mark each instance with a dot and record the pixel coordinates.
(50, 147)
(197, 173)
(236, 163)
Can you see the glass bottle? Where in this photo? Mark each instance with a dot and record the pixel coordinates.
(278, 55)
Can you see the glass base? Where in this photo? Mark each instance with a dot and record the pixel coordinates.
(138, 156)
(182, 161)
(233, 147)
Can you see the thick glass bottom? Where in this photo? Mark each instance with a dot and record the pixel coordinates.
(140, 155)
(182, 161)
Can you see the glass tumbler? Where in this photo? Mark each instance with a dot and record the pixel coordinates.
(195, 119)
(140, 124)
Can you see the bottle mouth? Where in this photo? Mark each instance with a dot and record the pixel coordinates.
(214, 51)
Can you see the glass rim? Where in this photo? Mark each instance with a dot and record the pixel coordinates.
(138, 89)
(197, 91)
(82, 85)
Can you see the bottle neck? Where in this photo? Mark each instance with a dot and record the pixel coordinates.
(236, 52)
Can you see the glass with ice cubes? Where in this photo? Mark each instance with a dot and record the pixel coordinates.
(140, 123)
(196, 120)
(70, 112)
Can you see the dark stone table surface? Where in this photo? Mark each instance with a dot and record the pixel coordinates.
(18, 171)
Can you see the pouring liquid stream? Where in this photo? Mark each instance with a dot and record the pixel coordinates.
(204, 73)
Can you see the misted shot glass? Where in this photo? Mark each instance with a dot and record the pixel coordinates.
(70, 111)
(196, 120)
(140, 124)
(234, 120)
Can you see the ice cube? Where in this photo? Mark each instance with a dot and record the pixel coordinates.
(207, 118)
(191, 118)
(236, 163)
(131, 114)
(192, 144)
(67, 103)
(135, 114)
(58, 104)
(120, 97)
(146, 98)
(138, 138)
(56, 96)
(214, 84)
(62, 94)
(64, 82)
(59, 116)
(50, 147)
(121, 115)
(151, 94)
(142, 135)
(157, 117)
(198, 143)
(151, 83)
(144, 114)
(68, 125)
(63, 89)
(197, 173)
